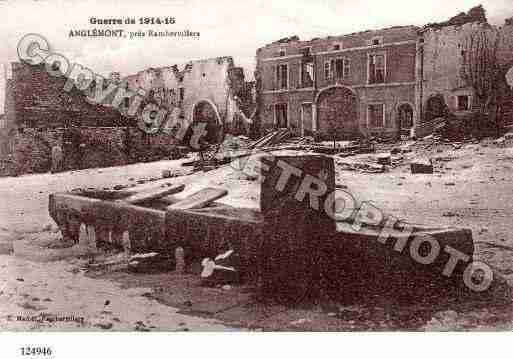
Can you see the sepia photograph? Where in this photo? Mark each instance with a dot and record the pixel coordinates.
(248, 166)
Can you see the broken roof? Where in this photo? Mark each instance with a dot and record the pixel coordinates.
(476, 14)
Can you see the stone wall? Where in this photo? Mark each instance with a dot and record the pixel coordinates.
(442, 64)
(360, 39)
(32, 148)
(397, 44)
(216, 81)
(443, 53)
(41, 101)
(9, 113)
(86, 147)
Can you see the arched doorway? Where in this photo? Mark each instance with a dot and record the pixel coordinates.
(337, 114)
(404, 119)
(205, 117)
(435, 108)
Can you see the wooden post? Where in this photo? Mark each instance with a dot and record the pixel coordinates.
(297, 229)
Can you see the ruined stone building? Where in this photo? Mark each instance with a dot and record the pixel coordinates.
(40, 114)
(444, 49)
(384, 82)
(352, 84)
(212, 89)
(35, 99)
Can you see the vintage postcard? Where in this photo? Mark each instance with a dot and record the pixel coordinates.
(304, 166)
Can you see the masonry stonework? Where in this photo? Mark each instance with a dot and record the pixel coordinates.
(443, 50)
(350, 63)
(216, 83)
(40, 114)
(41, 101)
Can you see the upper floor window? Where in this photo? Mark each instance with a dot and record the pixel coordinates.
(307, 73)
(342, 68)
(337, 68)
(347, 67)
(376, 40)
(282, 76)
(328, 70)
(376, 69)
(282, 52)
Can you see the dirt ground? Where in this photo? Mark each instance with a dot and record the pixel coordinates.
(471, 187)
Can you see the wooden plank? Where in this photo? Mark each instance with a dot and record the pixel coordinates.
(199, 199)
(270, 139)
(153, 194)
(261, 140)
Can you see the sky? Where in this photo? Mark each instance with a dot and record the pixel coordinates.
(227, 27)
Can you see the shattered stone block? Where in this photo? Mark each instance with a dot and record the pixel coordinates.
(385, 159)
(222, 270)
(421, 166)
(167, 174)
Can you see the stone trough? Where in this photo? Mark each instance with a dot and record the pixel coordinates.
(293, 251)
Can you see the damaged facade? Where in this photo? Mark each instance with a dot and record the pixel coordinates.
(385, 82)
(445, 92)
(353, 84)
(40, 114)
(212, 89)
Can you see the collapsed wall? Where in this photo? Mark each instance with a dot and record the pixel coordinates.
(215, 84)
(40, 114)
(445, 91)
(39, 100)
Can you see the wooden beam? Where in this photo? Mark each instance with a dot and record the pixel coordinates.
(199, 199)
(153, 194)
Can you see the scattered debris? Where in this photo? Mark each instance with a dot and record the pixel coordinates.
(364, 167)
(300, 321)
(220, 271)
(103, 324)
(448, 214)
(141, 327)
(30, 306)
(167, 173)
(421, 166)
(271, 139)
(384, 159)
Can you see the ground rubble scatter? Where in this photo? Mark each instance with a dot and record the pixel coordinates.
(466, 189)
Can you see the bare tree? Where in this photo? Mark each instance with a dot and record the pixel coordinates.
(481, 68)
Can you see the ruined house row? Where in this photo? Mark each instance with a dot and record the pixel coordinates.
(389, 81)
(386, 82)
(214, 88)
(40, 114)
